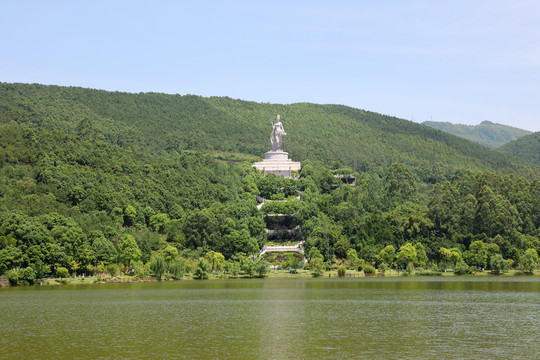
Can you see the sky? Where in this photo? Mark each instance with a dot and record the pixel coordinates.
(461, 61)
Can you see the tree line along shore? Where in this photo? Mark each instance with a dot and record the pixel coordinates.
(89, 181)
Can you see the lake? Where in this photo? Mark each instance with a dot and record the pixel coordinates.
(367, 318)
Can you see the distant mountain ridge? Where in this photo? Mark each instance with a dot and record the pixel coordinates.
(486, 133)
(162, 123)
(526, 147)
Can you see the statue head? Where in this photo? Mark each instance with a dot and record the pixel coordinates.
(278, 118)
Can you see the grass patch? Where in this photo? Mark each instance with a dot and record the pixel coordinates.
(428, 273)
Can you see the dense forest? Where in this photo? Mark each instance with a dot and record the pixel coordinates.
(526, 148)
(88, 186)
(157, 123)
(486, 133)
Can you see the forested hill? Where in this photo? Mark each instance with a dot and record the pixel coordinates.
(159, 122)
(486, 133)
(527, 148)
(94, 181)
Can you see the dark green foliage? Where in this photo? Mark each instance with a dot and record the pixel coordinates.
(485, 133)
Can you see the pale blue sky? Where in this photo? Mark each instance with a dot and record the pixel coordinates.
(457, 61)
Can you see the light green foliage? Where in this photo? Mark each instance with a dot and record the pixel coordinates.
(261, 267)
(112, 269)
(317, 266)
(341, 271)
(62, 272)
(130, 215)
(217, 260)
(248, 266)
(407, 255)
(368, 269)
(158, 221)
(314, 253)
(353, 262)
(485, 133)
(476, 255)
(158, 266)
(170, 253)
(421, 257)
(498, 264)
(461, 268)
(233, 268)
(177, 268)
(139, 270)
(281, 207)
(293, 263)
(529, 261)
(10, 257)
(202, 270)
(128, 250)
(388, 254)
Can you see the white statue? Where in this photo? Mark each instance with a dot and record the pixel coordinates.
(276, 139)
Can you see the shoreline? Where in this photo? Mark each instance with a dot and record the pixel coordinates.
(279, 274)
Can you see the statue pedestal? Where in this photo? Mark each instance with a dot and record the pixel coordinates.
(277, 162)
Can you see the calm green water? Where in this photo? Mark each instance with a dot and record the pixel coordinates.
(493, 318)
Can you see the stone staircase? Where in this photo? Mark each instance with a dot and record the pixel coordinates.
(294, 248)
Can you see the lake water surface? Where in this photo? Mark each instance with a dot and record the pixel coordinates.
(383, 318)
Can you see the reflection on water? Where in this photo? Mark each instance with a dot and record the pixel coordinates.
(471, 318)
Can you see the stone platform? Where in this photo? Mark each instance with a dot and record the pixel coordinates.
(277, 162)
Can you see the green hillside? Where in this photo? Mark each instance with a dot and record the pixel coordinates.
(486, 133)
(152, 184)
(159, 122)
(526, 148)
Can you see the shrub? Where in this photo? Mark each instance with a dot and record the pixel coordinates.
(176, 268)
(112, 269)
(369, 270)
(498, 264)
(281, 207)
(13, 277)
(233, 268)
(341, 271)
(428, 273)
(316, 265)
(62, 272)
(158, 266)
(202, 270)
(462, 268)
(261, 267)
